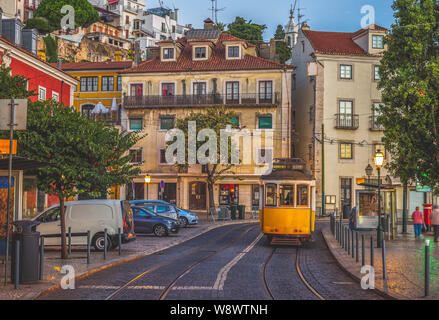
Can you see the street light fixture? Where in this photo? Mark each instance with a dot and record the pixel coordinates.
(379, 161)
(147, 182)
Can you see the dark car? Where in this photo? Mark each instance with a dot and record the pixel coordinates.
(146, 221)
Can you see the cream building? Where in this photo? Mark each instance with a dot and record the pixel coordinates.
(13, 8)
(335, 88)
(205, 69)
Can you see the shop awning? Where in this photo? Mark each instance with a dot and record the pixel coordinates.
(20, 163)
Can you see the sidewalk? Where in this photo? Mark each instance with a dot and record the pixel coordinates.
(143, 246)
(405, 264)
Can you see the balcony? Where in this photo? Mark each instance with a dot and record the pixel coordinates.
(374, 126)
(131, 9)
(199, 100)
(347, 121)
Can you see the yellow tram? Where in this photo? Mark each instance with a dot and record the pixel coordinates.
(288, 203)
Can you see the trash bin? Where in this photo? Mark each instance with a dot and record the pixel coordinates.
(29, 251)
(233, 209)
(241, 210)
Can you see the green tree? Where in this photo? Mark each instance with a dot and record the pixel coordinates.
(13, 86)
(282, 48)
(83, 155)
(249, 31)
(39, 23)
(410, 82)
(216, 119)
(85, 14)
(51, 48)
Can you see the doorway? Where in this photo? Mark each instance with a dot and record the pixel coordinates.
(197, 196)
(169, 193)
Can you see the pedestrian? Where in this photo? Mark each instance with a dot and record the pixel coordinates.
(417, 217)
(434, 216)
(427, 220)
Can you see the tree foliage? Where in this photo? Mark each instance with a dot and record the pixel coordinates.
(282, 48)
(51, 48)
(85, 14)
(39, 23)
(216, 119)
(249, 31)
(410, 82)
(13, 86)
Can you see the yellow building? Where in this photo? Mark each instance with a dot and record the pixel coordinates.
(205, 69)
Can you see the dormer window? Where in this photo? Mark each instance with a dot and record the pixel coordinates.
(377, 42)
(168, 54)
(233, 52)
(200, 53)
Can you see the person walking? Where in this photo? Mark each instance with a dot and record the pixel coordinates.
(427, 219)
(434, 217)
(417, 217)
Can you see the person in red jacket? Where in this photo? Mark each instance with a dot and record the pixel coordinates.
(427, 220)
(417, 217)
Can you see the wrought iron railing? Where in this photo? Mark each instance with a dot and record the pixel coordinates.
(347, 121)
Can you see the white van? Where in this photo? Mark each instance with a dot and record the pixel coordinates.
(90, 215)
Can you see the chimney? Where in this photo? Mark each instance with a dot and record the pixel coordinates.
(208, 24)
(305, 26)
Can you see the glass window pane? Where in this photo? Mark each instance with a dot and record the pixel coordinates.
(302, 195)
(265, 122)
(166, 123)
(271, 195)
(286, 195)
(136, 124)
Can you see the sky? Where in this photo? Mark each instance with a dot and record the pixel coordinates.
(323, 15)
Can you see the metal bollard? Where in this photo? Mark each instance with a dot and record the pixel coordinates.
(120, 241)
(349, 242)
(363, 251)
(357, 248)
(105, 243)
(70, 240)
(384, 260)
(372, 258)
(427, 268)
(352, 245)
(41, 258)
(88, 247)
(17, 264)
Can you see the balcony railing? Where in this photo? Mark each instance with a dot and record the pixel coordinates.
(200, 100)
(347, 121)
(374, 126)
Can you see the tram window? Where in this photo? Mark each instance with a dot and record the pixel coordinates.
(302, 195)
(287, 195)
(270, 195)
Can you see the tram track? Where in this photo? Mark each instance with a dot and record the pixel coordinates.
(169, 287)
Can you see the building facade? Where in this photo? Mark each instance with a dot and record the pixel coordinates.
(13, 8)
(205, 69)
(335, 90)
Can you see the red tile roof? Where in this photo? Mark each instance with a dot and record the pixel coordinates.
(217, 61)
(339, 43)
(119, 65)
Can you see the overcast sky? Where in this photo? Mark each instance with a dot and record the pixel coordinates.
(323, 15)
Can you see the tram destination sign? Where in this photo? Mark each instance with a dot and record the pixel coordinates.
(289, 166)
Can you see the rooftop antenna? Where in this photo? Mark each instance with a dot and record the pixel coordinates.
(215, 10)
(299, 15)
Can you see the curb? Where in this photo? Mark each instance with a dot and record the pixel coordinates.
(378, 290)
(132, 258)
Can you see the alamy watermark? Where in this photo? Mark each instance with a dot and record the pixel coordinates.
(368, 18)
(68, 281)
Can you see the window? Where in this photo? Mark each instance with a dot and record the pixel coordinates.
(302, 196)
(51, 215)
(41, 93)
(286, 197)
(345, 150)
(173, 29)
(163, 27)
(345, 109)
(345, 71)
(168, 53)
(346, 191)
(167, 122)
(255, 195)
(270, 195)
(55, 96)
(200, 88)
(119, 83)
(232, 91)
(233, 51)
(136, 124)
(265, 91)
(137, 155)
(86, 110)
(200, 53)
(377, 42)
(376, 75)
(137, 90)
(235, 120)
(89, 84)
(265, 122)
(163, 156)
(107, 83)
(168, 89)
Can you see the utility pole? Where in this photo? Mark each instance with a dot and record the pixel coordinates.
(404, 210)
(323, 171)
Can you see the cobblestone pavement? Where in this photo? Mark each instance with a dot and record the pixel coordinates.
(144, 245)
(232, 262)
(405, 264)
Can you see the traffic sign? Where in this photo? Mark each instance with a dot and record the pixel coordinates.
(4, 146)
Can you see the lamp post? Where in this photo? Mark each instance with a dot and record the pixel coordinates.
(379, 161)
(147, 182)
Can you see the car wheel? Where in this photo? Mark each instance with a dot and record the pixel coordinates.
(98, 242)
(183, 222)
(160, 230)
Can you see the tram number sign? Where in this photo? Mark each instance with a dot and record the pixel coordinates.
(289, 166)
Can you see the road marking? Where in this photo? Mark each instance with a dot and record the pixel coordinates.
(146, 288)
(222, 275)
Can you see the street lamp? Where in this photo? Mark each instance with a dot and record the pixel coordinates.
(369, 171)
(147, 182)
(379, 161)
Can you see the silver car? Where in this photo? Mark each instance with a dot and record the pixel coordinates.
(165, 210)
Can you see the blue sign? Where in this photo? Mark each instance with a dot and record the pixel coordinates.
(4, 182)
(162, 184)
(420, 188)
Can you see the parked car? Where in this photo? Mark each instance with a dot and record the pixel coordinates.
(185, 217)
(159, 208)
(89, 215)
(146, 221)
